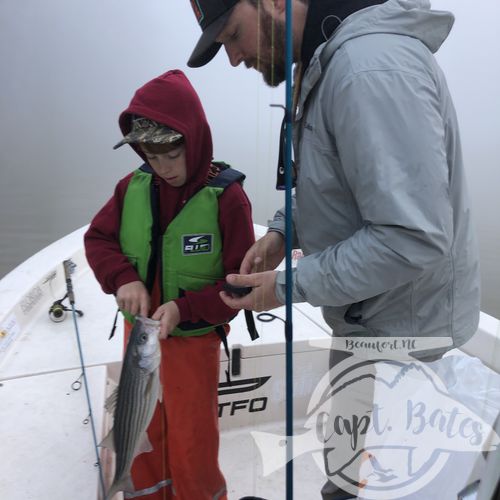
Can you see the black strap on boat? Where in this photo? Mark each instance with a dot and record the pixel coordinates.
(221, 332)
(254, 335)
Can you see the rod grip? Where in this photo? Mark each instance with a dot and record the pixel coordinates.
(68, 269)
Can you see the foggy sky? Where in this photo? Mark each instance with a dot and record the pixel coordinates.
(69, 68)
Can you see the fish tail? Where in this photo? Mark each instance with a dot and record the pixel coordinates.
(123, 484)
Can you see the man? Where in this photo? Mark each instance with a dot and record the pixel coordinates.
(380, 211)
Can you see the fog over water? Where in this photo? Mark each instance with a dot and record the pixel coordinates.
(69, 68)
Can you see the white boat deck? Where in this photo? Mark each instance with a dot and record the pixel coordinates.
(47, 447)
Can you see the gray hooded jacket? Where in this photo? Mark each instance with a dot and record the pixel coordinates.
(381, 209)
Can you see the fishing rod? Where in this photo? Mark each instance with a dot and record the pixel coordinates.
(288, 249)
(68, 269)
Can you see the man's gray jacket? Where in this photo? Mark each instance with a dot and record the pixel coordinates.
(381, 210)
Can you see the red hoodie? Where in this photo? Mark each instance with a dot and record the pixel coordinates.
(171, 100)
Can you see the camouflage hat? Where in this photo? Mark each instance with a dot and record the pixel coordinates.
(150, 132)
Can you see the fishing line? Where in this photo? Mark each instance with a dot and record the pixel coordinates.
(289, 111)
(68, 269)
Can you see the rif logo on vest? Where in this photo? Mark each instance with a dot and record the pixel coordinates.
(196, 244)
(197, 11)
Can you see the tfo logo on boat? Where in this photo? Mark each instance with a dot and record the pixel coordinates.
(196, 244)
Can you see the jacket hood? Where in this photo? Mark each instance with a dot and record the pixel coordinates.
(171, 100)
(327, 16)
(404, 17)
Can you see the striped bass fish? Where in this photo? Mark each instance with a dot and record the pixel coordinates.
(134, 401)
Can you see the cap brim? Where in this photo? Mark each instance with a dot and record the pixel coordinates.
(120, 144)
(135, 137)
(207, 47)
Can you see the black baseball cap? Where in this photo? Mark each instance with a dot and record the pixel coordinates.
(211, 16)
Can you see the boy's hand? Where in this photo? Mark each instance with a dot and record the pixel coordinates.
(265, 254)
(133, 298)
(169, 316)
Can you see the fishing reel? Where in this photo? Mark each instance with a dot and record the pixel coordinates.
(58, 311)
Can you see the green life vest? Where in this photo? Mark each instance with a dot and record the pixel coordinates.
(190, 250)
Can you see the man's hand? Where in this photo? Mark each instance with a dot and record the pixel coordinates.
(169, 316)
(262, 297)
(265, 254)
(133, 298)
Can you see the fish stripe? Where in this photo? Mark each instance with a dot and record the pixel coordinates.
(131, 424)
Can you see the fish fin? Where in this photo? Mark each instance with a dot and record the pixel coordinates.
(108, 441)
(111, 401)
(144, 445)
(123, 484)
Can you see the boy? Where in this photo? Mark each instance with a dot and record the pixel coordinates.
(163, 244)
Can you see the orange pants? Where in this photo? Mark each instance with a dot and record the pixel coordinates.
(184, 431)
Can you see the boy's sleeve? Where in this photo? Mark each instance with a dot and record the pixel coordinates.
(235, 220)
(102, 244)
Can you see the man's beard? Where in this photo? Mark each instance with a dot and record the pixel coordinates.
(272, 33)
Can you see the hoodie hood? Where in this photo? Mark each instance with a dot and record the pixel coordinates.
(171, 100)
(403, 17)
